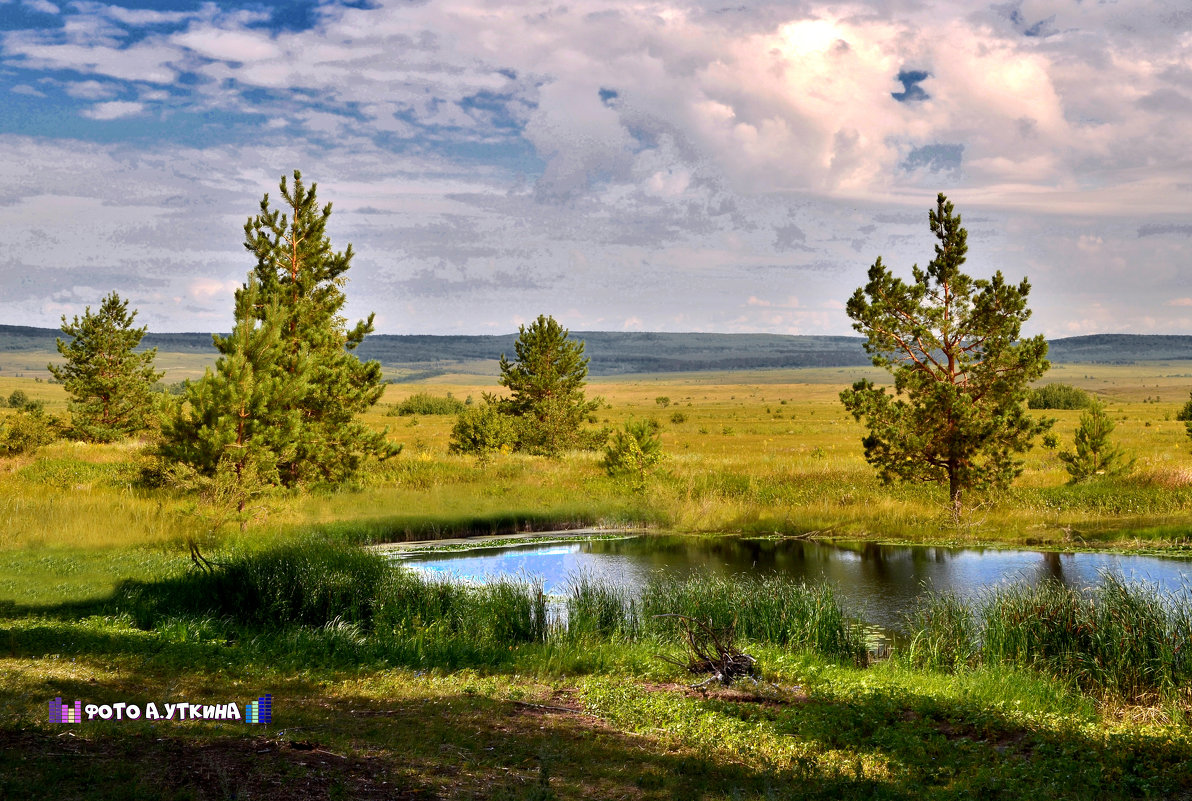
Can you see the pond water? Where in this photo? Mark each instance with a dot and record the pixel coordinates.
(878, 583)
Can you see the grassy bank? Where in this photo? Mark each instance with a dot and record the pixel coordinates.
(388, 684)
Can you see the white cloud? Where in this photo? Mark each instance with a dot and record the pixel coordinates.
(44, 6)
(92, 90)
(703, 165)
(26, 89)
(228, 45)
(113, 110)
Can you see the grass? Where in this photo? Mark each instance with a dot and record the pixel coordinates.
(413, 688)
(389, 684)
(1121, 639)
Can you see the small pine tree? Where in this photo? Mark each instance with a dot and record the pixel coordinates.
(1095, 455)
(110, 384)
(1184, 415)
(634, 450)
(961, 371)
(547, 385)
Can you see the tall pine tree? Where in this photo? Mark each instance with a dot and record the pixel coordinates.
(109, 383)
(304, 277)
(281, 404)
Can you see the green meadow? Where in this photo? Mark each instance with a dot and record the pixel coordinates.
(390, 686)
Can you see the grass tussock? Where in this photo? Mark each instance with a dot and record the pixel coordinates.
(1121, 639)
(770, 609)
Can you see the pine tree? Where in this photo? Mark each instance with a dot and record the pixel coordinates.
(303, 277)
(961, 373)
(634, 451)
(280, 405)
(547, 385)
(240, 418)
(1095, 455)
(109, 383)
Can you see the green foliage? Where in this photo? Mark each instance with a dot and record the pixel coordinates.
(309, 582)
(663, 401)
(1185, 413)
(27, 430)
(678, 418)
(1059, 396)
(287, 388)
(546, 383)
(483, 430)
(1123, 639)
(1185, 416)
(425, 403)
(239, 422)
(943, 634)
(960, 372)
(109, 383)
(1095, 455)
(18, 399)
(634, 450)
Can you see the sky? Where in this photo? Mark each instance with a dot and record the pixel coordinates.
(677, 166)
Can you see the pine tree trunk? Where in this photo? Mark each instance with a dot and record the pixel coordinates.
(954, 491)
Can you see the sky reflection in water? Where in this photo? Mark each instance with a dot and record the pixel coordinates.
(880, 583)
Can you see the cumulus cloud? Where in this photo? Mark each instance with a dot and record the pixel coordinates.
(716, 160)
(113, 110)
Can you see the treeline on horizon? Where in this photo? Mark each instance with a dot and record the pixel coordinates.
(616, 352)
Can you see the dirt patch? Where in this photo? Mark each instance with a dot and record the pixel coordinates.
(742, 692)
(227, 767)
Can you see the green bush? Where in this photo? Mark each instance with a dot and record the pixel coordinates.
(19, 398)
(1058, 396)
(27, 430)
(425, 403)
(483, 430)
(634, 450)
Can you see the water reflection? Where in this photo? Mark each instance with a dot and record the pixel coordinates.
(880, 583)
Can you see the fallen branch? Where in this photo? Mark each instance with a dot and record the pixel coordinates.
(712, 652)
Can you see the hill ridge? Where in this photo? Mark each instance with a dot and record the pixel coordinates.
(614, 352)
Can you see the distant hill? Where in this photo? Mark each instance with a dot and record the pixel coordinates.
(615, 352)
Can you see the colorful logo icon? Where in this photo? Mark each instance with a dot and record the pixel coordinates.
(260, 710)
(64, 713)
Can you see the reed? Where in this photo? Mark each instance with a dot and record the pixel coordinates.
(769, 609)
(1121, 639)
(943, 634)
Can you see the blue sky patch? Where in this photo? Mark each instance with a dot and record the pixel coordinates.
(911, 91)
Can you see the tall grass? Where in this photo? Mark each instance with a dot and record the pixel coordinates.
(426, 403)
(1126, 640)
(770, 609)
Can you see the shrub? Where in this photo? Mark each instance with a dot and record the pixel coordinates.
(1059, 396)
(634, 450)
(663, 401)
(309, 582)
(483, 430)
(425, 403)
(678, 418)
(19, 398)
(28, 430)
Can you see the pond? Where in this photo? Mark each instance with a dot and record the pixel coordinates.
(878, 583)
